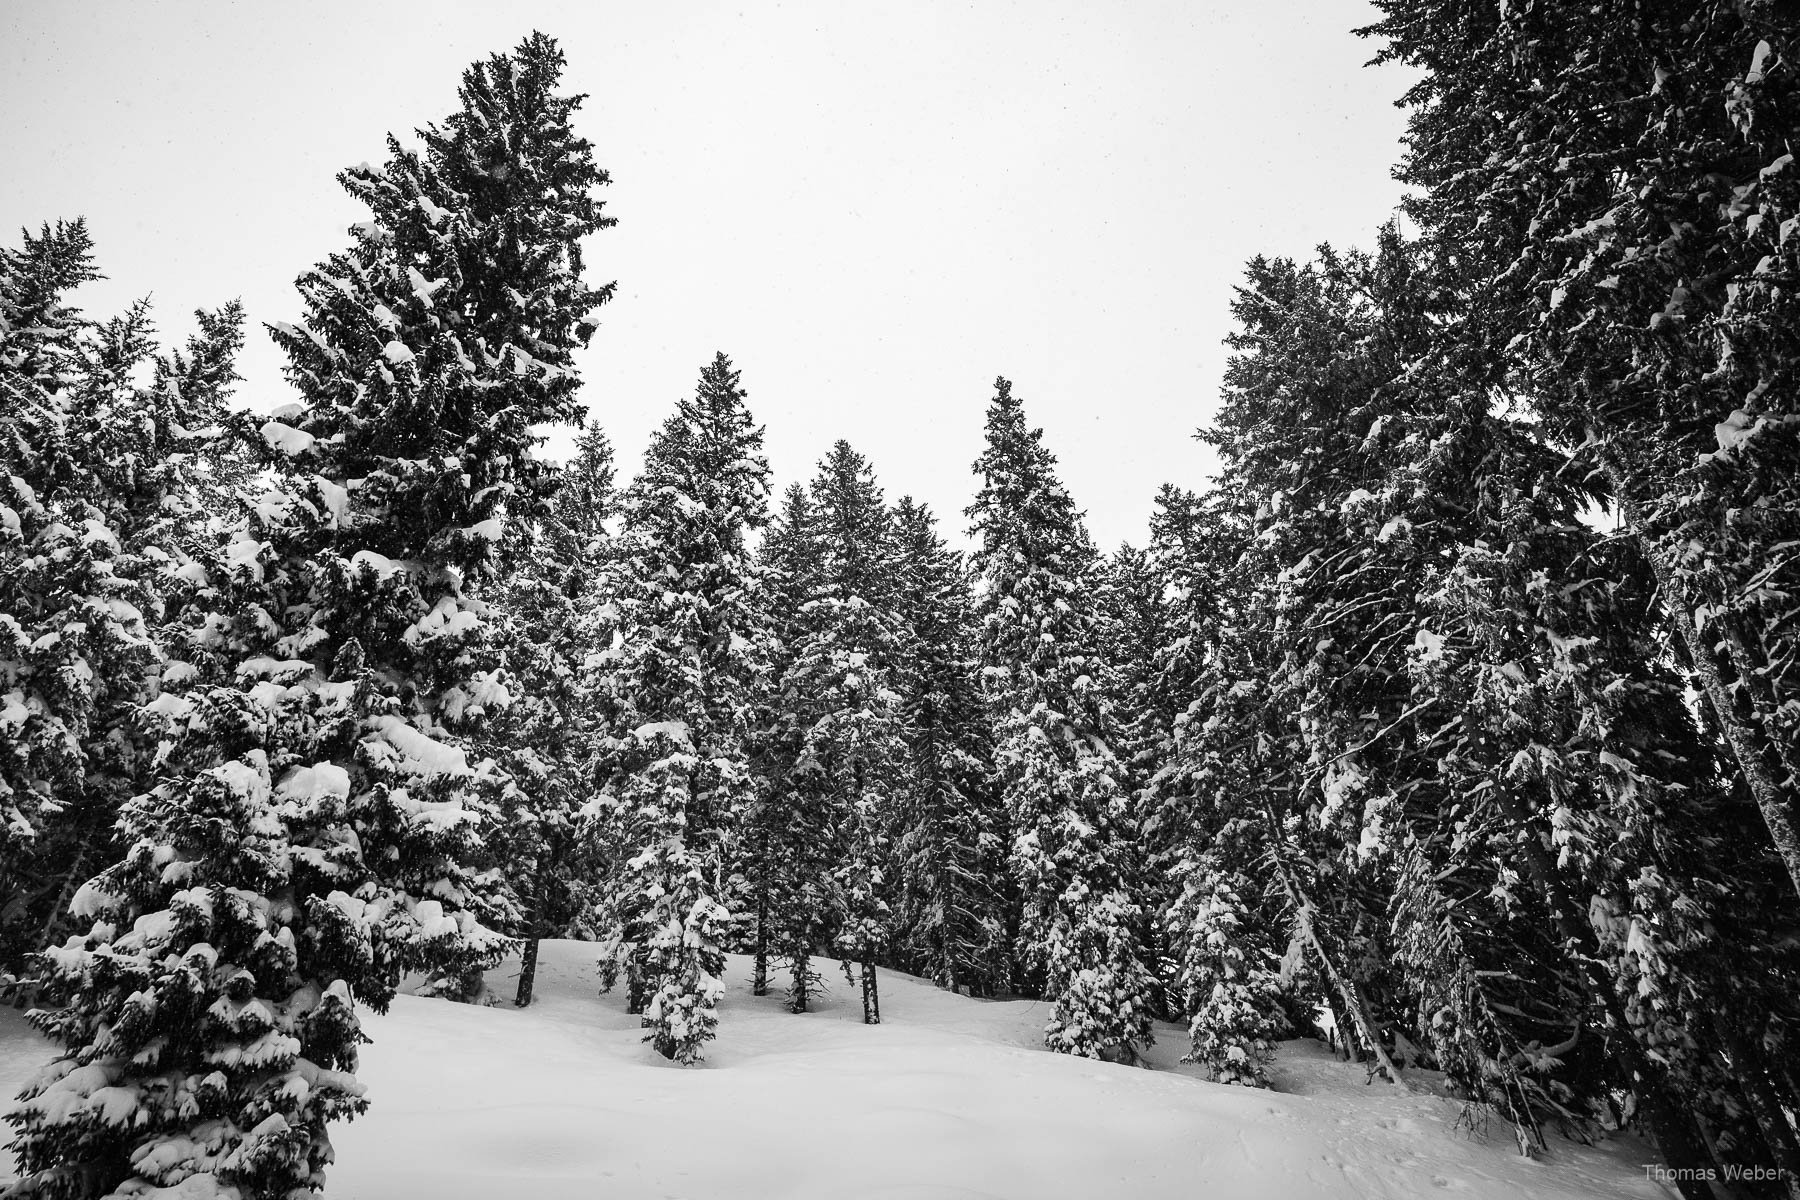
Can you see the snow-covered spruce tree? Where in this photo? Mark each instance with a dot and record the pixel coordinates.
(1193, 561)
(1071, 854)
(1136, 623)
(1542, 699)
(317, 828)
(1237, 875)
(50, 691)
(161, 459)
(690, 646)
(1629, 253)
(42, 331)
(1626, 254)
(1230, 993)
(548, 739)
(1204, 739)
(1579, 766)
(851, 720)
(1325, 398)
(785, 860)
(106, 447)
(947, 827)
(587, 498)
(1142, 626)
(837, 732)
(1280, 765)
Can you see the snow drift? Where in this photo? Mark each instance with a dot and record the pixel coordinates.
(950, 1098)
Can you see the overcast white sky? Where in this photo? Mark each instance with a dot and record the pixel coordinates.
(873, 209)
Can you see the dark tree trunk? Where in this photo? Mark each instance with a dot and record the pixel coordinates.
(1363, 1027)
(73, 877)
(637, 990)
(1760, 1097)
(1673, 1125)
(1743, 736)
(802, 977)
(527, 973)
(871, 996)
(759, 975)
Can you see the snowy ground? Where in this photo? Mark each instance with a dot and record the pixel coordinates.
(950, 1098)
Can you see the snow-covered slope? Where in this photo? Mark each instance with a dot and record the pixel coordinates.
(948, 1098)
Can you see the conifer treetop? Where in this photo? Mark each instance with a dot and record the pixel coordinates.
(433, 345)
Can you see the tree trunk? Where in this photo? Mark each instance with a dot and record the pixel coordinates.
(871, 997)
(1760, 1097)
(802, 967)
(1673, 1125)
(1746, 746)
(1344, 1044)
(637, 991)
(527, 973)
(1684, 1147)
(1764, 704)
(759, 974)
(1348, 993)
(72, 881)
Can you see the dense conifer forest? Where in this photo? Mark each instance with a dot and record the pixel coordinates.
(1460, 715)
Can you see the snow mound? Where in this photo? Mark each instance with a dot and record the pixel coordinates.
(949, 1098)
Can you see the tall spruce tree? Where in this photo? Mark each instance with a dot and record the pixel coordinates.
(1451, 750)
(317, 825)
(1618, 183)
(1614, 185)
(1080, 931)
(838, 728)
(690, 646)
(785, 855)
(556, 619)
(1221, 925)
(948, 831)
(849, 663)
(766, 848)
(1136, 622)
(110, 449)
(72, 637)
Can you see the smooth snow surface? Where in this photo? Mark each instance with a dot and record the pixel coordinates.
(950, 1098)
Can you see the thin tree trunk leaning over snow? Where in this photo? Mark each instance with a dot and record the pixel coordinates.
(1348, 994)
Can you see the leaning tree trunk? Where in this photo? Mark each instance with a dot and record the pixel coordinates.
(1752, 670)
(1747, 746)
(1674, 1126)
(1764, 1104)
(1348, 993)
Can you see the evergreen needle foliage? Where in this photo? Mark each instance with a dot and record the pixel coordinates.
(1457, 720)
